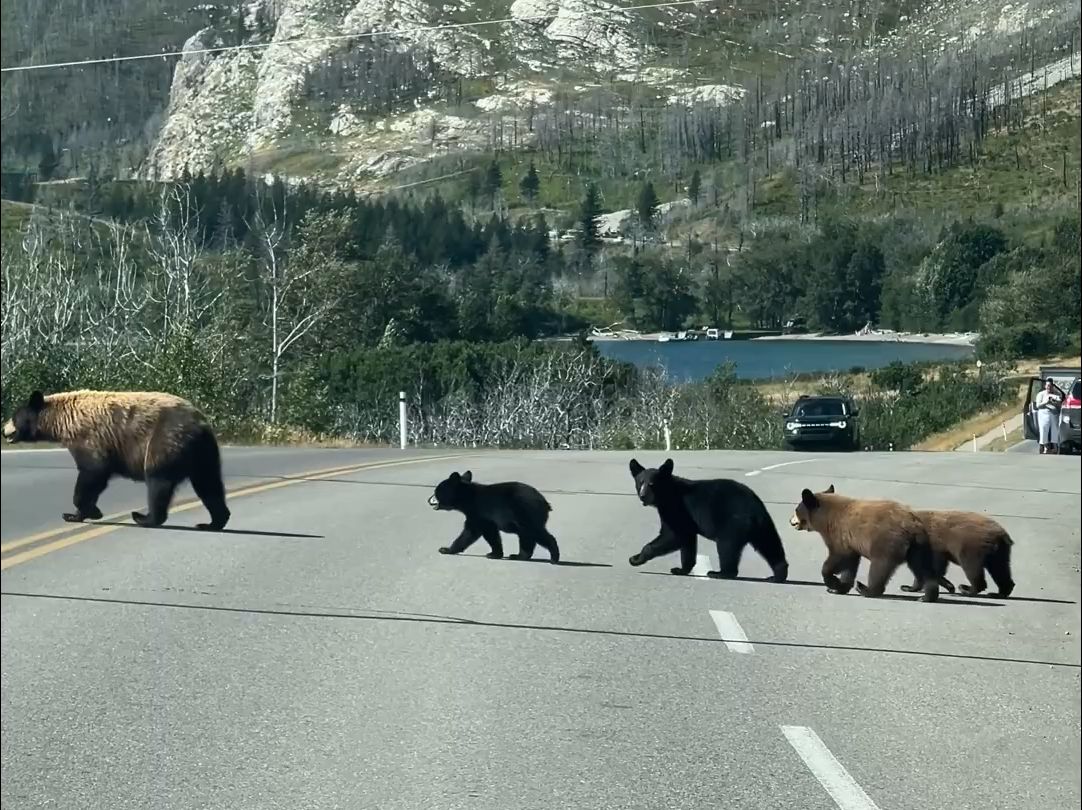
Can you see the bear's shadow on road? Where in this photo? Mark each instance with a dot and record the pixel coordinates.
(560, 564)
(888, 596)
(760, 580)
(208, 533)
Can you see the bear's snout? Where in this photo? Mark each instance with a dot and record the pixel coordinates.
(794, 521)
(435, 504)
(9, 431)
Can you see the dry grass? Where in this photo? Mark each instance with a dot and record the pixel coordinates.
(977, 425)
(785, 392)
(289, 436)
(999, 444)
(1029, 367)
(987, 421)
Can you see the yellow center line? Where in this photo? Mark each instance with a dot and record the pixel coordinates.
(71, 527)
(99, 530)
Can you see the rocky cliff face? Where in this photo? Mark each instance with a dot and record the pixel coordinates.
(238, 105)
(256, 106)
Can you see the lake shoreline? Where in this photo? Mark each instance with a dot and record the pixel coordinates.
(886, 336)
(784, 357)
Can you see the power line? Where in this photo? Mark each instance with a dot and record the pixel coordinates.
(339, 37)
(414, 184)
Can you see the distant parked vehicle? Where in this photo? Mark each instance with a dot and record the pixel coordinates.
(1070, 420)
(823, 420)
(795, 326)
(1066, 383)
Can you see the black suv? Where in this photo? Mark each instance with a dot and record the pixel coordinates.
(823, 420)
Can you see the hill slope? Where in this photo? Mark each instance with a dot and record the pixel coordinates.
(588, 87)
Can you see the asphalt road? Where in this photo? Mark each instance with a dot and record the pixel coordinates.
(1024, 446)
(322, 654)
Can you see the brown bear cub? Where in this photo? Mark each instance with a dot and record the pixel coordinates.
(144, 436)
(972, 541)
(884, 532)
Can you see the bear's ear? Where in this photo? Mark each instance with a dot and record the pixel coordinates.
(454, 476)
(467, 477)
(830, 489)
(36, 401)
(666, 467)
(635, 467)
(807, 497)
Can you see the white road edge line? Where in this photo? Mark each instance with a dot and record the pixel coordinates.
(731, 632)
(37, 450)
(832, 775)
(762, 470)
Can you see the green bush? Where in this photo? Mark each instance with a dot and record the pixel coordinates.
(1015, 342)
(516, 395)
(904, 419)
(898, 376)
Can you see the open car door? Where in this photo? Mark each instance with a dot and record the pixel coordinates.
(1029, 416)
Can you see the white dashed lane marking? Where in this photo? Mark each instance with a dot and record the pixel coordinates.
(702, 565)
(762, 470)
(832, 775)
(731, 632)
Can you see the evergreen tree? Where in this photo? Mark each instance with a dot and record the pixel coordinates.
(49, 161)
(589, 211)
(646, 206)
(493, 180)
(530, 184)
(477, 294)
(263, 23)
(540, 241)
(695, 187)
(473, 187)
(240, 30)
(117, 205)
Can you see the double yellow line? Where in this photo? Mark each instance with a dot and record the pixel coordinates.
(82, 535)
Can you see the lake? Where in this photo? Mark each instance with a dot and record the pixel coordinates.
(763, 359)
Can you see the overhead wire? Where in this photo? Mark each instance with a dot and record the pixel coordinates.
(252, 46)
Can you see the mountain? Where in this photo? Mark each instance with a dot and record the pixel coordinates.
(376, 94)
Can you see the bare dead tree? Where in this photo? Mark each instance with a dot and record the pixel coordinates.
(184, 295)
(292, 303)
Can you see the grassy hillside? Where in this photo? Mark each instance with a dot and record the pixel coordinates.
(1027, 171)
(13, 218)
(1018, 177)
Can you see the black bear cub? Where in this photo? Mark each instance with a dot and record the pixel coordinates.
(509, 506)
(719, 509)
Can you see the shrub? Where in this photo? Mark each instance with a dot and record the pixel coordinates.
(897, 376)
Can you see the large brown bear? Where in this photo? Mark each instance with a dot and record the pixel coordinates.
(158, 438)
(972, 541)
(886, 533)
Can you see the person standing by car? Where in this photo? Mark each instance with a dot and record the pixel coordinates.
(1047, 406)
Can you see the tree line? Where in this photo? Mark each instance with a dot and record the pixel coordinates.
(432, 274)
(312, 319)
